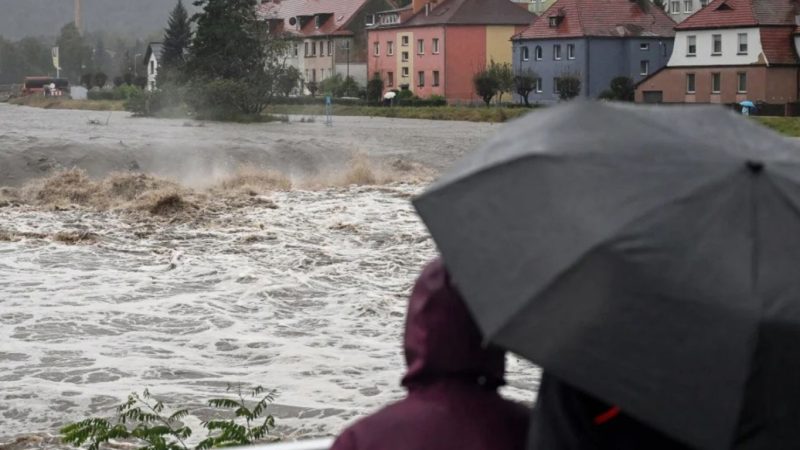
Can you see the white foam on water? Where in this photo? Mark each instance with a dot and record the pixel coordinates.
(308, 299)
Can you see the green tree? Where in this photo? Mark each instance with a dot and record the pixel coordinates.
(569, 86)
(486, 85)
(621, 89)
(102, 60)
(504, 75)
(288, 80)
(177, 38)
(100, 79)
(74, 54)
(524, 84)
(375, 89)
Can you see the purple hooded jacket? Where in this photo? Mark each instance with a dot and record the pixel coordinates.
(452, 382)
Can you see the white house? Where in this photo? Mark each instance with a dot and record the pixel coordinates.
(152, 59)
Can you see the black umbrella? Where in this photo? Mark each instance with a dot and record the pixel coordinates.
(649, 256)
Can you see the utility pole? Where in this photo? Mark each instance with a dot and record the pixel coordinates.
(78, 15)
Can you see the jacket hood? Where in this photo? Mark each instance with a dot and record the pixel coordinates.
(442, 340)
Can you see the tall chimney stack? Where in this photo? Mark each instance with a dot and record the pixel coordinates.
(418, 5)
(78, 15)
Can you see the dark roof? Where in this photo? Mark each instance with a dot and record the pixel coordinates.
(601, 18)
(153, 47)
(337, 15)
(738, 13)
(472, 12)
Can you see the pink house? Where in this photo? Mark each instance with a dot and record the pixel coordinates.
(435, 48)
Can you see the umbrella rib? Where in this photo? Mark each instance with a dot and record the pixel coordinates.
(567, 270)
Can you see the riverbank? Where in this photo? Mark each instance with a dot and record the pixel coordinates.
(491, 114)
(37, 101)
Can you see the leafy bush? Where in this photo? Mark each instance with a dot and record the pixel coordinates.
(486, 85)
(569, 86)
(122, 92)
(229, 99)
(144, 420)
(524, 84)
(621, 89)
(375, 89)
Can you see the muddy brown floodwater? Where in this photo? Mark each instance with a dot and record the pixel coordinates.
(182, 272)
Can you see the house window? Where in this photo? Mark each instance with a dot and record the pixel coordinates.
(404, 41)
(703, 3)
(524, 55)
(675, 7)
(313, 49)
(317, 22)
(537, 85)
(436, 78)
(421, 78)
(376, 48)
(742, 43)
(644, 67)
(405, 72)
(420, 46)
(305, 53)
(390, 48)
(330, 48)
(314, 75)
(741, 85)
(570, 51)
(557, 51)
(405, 56)
(644, 46)
(691, 45)
(687, 6)
(537, 53)
(553, 21)
(152, 67)
(690, 83)
(556, 81)
(716, 44)
(716, 82)
(435, 46)
(321, 49)
(390, 78)
(296, 49)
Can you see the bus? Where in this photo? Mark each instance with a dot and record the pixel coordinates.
(39, 85)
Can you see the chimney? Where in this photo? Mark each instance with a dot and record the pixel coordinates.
(418, 5)
(78, 15)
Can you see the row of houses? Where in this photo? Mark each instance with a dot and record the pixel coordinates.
(690, 51)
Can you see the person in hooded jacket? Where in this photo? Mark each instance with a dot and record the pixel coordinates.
(452, 382)
(565, 418)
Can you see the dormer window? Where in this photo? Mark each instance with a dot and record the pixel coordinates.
(369, 20)
(554, 21)
(724, 6)
(318, 21)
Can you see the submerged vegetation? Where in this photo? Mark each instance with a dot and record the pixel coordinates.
(149, 423)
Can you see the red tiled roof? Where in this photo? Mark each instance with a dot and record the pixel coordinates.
(339, 13)
(777, 43)
(472, 12)
(605, 18)
(742, 13)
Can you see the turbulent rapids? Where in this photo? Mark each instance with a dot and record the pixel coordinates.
(292, 276)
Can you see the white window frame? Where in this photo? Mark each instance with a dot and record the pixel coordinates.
(742, 42)
(435, 46)
(537, 85)
(644, 67)
(570, 51)
(716, 76)
(538, 53)
(673, 9)
(691, 45)
(694, 83)
(404, 57)
(739, 78)
(390, 79)
(436, 78)
(555, 85)
(716, 39)
(525, 53)
(556, 52)
(376, 48)
(644, 46)
(404, 41)
(688, 6)
(420, 46)
(404, 72)
(390, 48)
(421, 78)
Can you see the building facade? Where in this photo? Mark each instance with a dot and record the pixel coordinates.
(570, 39)
(328, 36)
(436, 48)
(152, 59)
(680, 10)
(731, 51)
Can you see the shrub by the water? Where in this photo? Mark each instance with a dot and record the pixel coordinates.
(153, 426)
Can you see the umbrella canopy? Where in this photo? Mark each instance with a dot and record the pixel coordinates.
(390, 95)
(747, 104)
(642, 255)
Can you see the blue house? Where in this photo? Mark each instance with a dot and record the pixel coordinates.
(594, 40)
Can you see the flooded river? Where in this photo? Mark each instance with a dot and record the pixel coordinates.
(298, 289)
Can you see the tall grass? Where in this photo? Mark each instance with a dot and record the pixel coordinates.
(37, 101)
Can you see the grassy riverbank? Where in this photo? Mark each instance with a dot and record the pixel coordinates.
(464, 113)
(37, 101)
